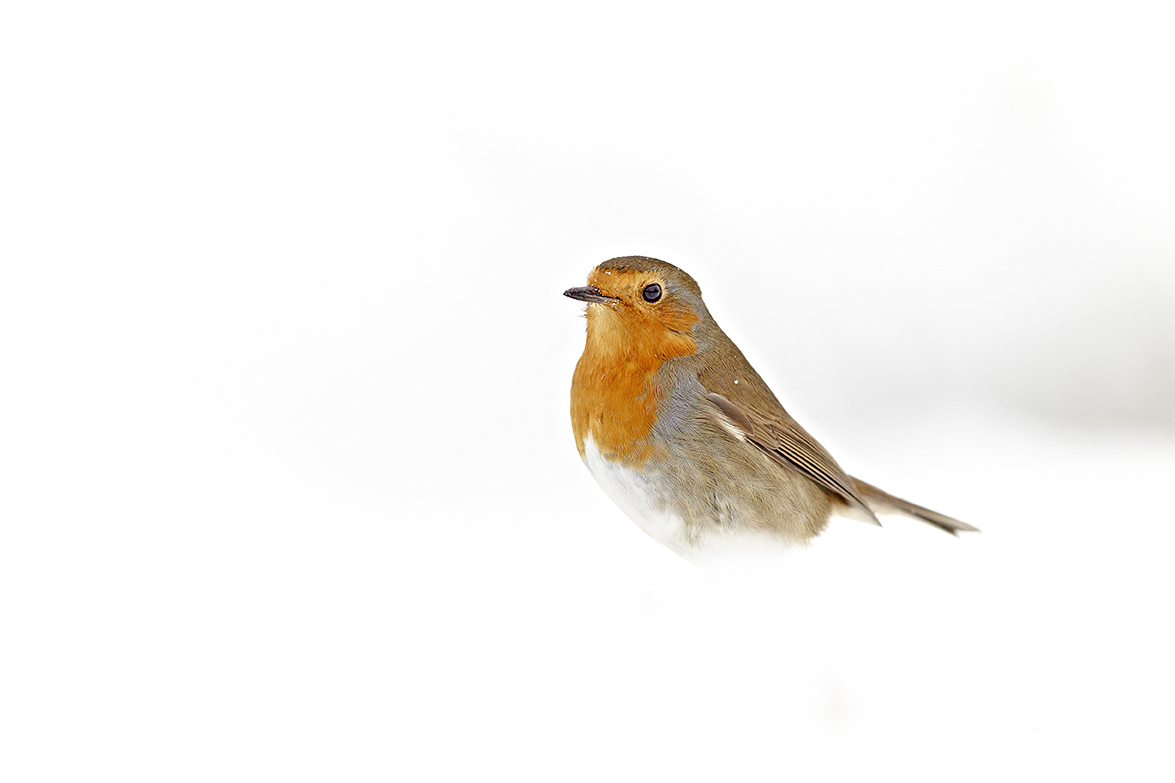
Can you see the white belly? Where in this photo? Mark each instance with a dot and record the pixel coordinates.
(641, 496)
(645, 497)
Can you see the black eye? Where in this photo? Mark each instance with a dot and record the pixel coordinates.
(652, 292)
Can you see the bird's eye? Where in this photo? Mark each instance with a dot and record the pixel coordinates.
(652, 292)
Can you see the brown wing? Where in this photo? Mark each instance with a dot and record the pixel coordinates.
(783, 440)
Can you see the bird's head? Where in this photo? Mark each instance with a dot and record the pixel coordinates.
(641, 304)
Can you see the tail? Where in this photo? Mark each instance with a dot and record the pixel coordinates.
(880, 501)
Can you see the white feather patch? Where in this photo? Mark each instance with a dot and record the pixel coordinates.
(639, 497)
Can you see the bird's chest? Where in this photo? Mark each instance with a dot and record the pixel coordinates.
(615, 404)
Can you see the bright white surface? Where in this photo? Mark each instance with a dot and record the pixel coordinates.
(287, 486)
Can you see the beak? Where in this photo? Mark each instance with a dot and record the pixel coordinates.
(589, 293)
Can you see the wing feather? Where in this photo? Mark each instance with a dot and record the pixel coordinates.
(786, 442)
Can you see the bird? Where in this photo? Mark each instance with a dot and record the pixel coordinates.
(686, 438)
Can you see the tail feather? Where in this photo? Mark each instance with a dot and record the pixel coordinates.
(881, 501)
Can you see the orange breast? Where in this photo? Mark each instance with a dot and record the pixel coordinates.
(614, 392)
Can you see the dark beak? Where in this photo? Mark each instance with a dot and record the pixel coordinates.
(588, 293)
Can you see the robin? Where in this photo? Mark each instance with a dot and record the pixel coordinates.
(683, 434)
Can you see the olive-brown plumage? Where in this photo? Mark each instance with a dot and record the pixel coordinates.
(684, 435)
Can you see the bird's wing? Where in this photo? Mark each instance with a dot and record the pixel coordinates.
(760, 420)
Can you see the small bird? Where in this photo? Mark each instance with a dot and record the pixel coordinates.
(682, 433)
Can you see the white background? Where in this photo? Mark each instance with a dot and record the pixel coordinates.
(287, 485)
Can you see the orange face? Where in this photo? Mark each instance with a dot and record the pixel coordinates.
(644, 312)
(634, 325)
